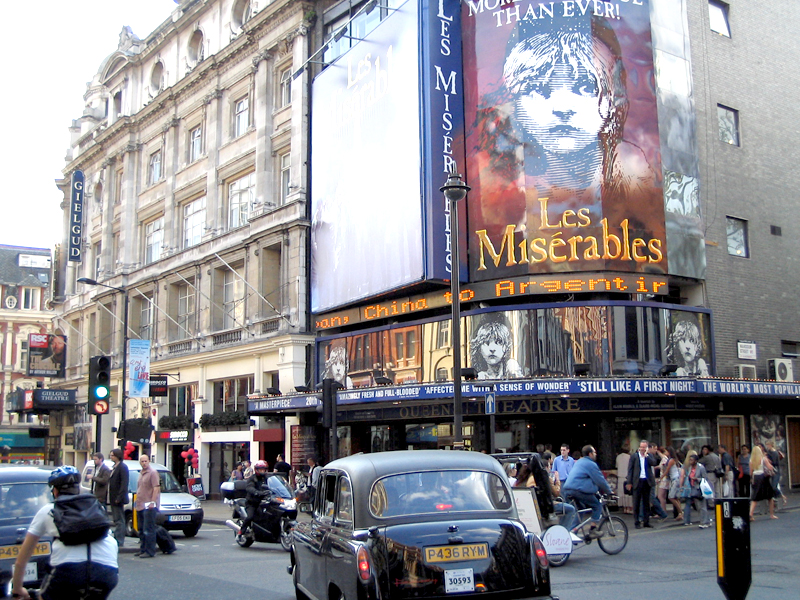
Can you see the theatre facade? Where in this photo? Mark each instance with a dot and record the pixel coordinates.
(607, 273)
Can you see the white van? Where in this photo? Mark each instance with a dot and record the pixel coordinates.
(178, 511)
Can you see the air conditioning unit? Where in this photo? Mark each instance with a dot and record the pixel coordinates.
(780, 369)
(745, 371)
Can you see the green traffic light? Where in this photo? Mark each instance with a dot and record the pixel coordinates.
(101, 393)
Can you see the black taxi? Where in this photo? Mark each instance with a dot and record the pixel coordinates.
(23, 491)
(416, 524)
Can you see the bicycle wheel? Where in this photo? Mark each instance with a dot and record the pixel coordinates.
(615, 536)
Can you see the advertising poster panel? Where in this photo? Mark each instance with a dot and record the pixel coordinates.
(366, 202)
(562, 139)
(47, 354)
(138, 368)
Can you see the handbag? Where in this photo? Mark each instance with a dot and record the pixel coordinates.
(685, 491)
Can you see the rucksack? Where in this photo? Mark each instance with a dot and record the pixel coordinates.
(80, 519)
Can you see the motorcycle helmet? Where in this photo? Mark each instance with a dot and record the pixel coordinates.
(64, 478)
(260, 464)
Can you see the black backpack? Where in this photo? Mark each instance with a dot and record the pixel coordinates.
(80, 519)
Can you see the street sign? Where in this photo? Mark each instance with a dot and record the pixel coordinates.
(491, 405)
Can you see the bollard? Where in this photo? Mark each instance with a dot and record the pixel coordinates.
(733, 547)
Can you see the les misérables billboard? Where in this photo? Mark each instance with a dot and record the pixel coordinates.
(387, 123)
(562, 138)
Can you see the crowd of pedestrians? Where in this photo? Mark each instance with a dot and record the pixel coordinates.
(653, 480)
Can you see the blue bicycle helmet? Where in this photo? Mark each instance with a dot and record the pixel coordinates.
(65, 476)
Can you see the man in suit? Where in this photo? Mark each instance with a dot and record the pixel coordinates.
(100, 478)
(641, 480)
(118, 494)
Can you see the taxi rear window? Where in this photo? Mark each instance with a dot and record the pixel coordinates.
(427, 492)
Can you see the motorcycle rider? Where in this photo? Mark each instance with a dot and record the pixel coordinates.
(257, 490)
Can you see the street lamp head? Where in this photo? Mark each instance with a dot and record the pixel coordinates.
(87, 281)
(454, 188)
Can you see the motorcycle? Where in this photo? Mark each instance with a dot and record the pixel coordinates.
(274, 519)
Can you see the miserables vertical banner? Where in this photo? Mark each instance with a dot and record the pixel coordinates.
(562, 138)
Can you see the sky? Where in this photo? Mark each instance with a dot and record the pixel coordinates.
(49, 51)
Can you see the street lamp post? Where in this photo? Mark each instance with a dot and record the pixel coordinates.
(87, 281)
(455, 190)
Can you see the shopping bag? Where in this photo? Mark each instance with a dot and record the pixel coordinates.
(706, 489)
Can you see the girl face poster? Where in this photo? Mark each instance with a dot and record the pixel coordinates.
(562, 139)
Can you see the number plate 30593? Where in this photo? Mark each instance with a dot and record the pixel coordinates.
(458, 580)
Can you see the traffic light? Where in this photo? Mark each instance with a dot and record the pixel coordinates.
(328, 406)
(99, 384)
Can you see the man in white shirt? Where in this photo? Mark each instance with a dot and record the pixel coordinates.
(641, 480)
(72, 572)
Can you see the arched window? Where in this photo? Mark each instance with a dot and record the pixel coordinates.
(242, 11)
(195, 48)
(157, 77)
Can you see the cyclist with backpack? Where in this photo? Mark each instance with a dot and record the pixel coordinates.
(84, 554)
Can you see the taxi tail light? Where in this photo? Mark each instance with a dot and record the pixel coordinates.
(540, 552)
(444, 506)
(364, 567)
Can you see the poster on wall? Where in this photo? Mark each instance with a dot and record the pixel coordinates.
(689, 344)
(47, 354)
(769, 428)
(562, 139)
(82, 429)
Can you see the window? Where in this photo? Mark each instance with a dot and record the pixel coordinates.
(180, 399)
(195, 143)
(146, 319)
(154, 170)
(728, 125)
(23, 355)
(157, 78)
(97, 255)
(286, 176)
(230, 395)
(790, 349)
(737, 237)
(443, 334)
(195, 48)
(232, 300)
(242, 12)
(194, 221)
(153, 240)
(718, 17)
(241, 195)
(30, 298)
(241, 116)
(185, 310)
(285, 88)
(117, 104)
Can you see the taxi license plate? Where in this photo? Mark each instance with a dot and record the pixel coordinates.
(41, 549)
(459, 580)
(453, 553)
(174, 518)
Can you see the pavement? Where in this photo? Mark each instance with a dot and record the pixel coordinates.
(216, 512)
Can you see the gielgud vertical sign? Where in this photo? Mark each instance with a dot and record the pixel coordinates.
(562, 138)
(75, 216)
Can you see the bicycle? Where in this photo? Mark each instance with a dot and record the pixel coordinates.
(613, 528)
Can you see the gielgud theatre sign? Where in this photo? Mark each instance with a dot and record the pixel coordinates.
(562, 139)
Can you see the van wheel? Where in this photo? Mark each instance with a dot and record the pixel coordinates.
(129, 530)
(191, 531)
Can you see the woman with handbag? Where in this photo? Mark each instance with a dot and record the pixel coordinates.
(761, 471)
(691, 476)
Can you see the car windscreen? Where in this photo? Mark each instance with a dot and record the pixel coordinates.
(277, 487)
(169, 484)
(439, 491)
(19, 502)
